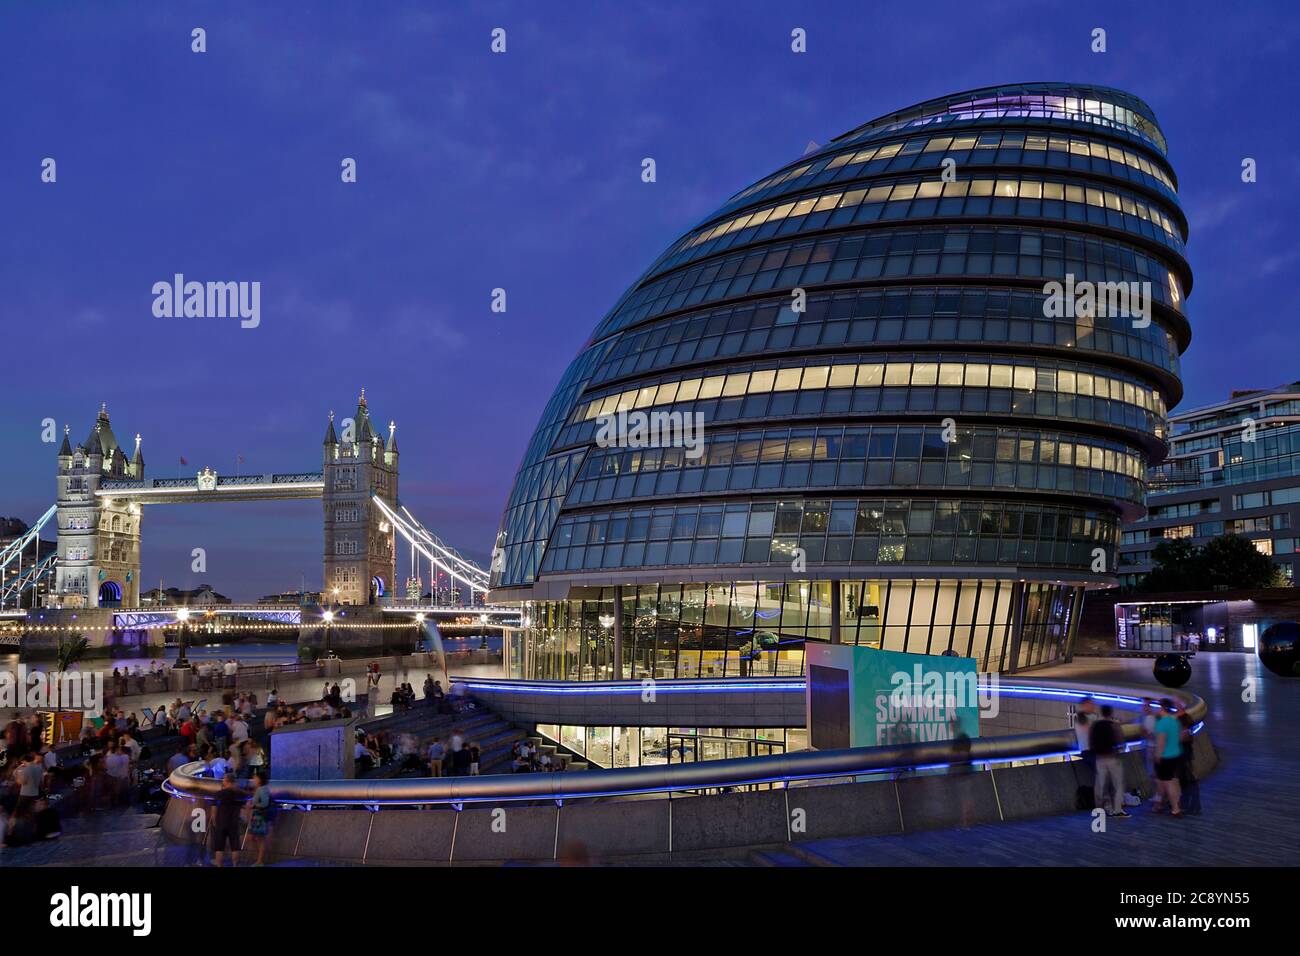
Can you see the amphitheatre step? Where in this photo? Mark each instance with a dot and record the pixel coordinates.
(775, 858)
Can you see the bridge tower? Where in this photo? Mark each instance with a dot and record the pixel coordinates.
(98, 538)
(360, 557)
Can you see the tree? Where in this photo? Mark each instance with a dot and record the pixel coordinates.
(1235, 562)
(70, 652)
(1176, 567)
(1225, 562)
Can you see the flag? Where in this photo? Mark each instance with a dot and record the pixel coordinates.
(183, 461)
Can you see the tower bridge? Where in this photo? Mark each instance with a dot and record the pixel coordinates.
(101, 496)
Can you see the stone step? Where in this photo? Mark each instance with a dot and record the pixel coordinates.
(109, 821)
(809, 856)
(775, 858)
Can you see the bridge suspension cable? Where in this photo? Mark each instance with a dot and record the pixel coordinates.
(466, 565)
(24, 578)
(440, 555)
(14, 550)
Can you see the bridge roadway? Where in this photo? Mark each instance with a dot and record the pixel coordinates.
(295, 485)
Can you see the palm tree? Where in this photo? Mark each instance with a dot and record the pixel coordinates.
(70, 651)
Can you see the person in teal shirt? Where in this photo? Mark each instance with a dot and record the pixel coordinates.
(1169, 755)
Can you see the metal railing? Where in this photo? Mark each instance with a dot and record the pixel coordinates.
(783, 769)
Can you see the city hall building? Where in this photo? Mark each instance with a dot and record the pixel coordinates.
(909, 438)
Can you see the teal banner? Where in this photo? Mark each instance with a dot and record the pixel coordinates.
(864, 697)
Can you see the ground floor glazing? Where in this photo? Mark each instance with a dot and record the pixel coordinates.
(756, 628)
(612, 747)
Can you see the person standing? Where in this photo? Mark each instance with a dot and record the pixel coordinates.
(460, 761)
(16, 741)
(437, 752)
(1169, 752)
(117, 764)
(259, 817)
(372, 688)
(225, 808)
(221, 733)
(187, 754)
(1106, 741)
(1147, 720)
(28, 776)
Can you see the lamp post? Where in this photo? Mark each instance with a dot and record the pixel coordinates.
(606, 622)
(182, 618)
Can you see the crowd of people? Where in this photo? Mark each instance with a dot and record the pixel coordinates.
(32, 773)
(221, 741)
(1166, 729)
(28, 770)
(434, 757)
(208, 674)
(526, 757)
(139, 680)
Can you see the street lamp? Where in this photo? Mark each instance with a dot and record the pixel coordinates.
(182, 618)
(328, 618)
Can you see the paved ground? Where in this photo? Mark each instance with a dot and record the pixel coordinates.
(1248, 819)
(1249, 802)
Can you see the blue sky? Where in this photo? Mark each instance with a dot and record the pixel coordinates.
(520, 171)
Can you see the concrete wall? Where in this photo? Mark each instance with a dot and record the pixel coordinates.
(1026, 715)
(632, 828)
(321, 750)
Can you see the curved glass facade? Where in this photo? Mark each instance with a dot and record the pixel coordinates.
(889, 402)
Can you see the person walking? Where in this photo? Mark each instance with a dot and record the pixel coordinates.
(1106, 741)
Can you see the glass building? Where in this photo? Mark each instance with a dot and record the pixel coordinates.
(917, 432)
(1233, 468)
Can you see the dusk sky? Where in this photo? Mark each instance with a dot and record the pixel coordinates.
(520, 171)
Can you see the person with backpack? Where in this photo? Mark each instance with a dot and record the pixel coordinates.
(1106, 741)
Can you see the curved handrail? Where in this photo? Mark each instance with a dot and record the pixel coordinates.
(704, 775)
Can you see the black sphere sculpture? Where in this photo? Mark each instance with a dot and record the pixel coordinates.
(1172, 670)
(1279, 649)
